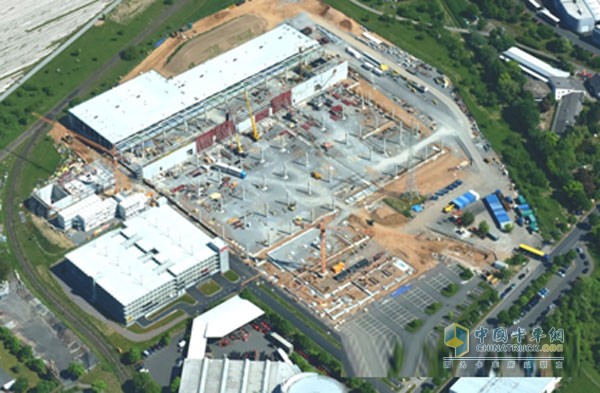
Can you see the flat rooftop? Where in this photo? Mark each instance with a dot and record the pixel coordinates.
(219, 322)
(150, 249)
(534, 64)
(149, 98)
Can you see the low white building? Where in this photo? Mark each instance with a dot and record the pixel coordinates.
(67, 216)
(133, 271)
(95, 215)
(131, 205)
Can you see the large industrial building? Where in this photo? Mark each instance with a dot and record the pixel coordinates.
(155, 123)
(202, 374)
(581, 16)
(149, 262)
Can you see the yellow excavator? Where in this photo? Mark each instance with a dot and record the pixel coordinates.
(255, 134)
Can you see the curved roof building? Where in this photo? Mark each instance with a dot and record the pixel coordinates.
(312, 383)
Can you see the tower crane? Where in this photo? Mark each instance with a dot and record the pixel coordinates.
(255, 134)
(323, 249)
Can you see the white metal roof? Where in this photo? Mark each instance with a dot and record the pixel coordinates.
(134, 199)
(125, 271)
(234, 376)
(577, 10)
(95, 209)
(503, 385)
(219, 322)
(80, 207)
(312, 382)
(150, 98)
(534, 63)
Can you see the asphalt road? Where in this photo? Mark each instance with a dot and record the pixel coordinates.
(556, 285)
(296, 322)
(33, 135)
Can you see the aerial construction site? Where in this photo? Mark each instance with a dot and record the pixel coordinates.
(305, 142)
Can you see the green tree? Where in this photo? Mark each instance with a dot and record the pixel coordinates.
(165, 339)
(44, 387)
(37, 366)
(25, 354)
(130, 53)
(99, 386)
(134, 355)
(484, 227)
(467, 218)
(504, 318)
(21, 385)
(576, 197)
(174, 387)
(143, 383)
(75, 370)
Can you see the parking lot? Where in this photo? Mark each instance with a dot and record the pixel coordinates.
(36, 325)
(370, 337)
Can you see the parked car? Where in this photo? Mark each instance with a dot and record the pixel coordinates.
(521, 276)
(561, 273)
(543, 292)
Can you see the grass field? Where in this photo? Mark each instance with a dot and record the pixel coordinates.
(209, 288)
(231, 276)
(171, 317)
(8, 361)
(69, 69)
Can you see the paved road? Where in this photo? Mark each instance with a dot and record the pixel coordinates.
(295, 321)
(33, 135)
(556, 285)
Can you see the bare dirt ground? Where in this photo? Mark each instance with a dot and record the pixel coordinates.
(128, 9)
(53, 236)
(431, 176)
(269, 12)
(208, 45)
(58, 132)
(366, 90)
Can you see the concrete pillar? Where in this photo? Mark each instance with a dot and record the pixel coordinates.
(243, 193)
(287, 198)
(309, 187)
(346, 138)
(265, 185)
(285, 174)
(262, 155)
(306, 159)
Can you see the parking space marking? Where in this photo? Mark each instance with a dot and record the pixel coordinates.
(455, 268)
(439, 282)
(398, 314)
(419, 298)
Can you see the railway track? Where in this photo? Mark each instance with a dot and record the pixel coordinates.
(92, 335)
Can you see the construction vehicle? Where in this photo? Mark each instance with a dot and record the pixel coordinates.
(449, 208)
(239, 149)
(255, 134)
(338, 267)
(292, 206)
(316, 175)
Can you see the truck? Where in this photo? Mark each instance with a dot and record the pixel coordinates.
(500, 265)
(367, 66)
(316, 175)
(377, 71)
(356, 54)
(493, 236)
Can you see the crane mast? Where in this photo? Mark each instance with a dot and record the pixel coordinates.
(255, 134)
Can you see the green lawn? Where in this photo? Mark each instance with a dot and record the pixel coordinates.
(209, 288)
(231, 276)
(171, 317)
(8, 361)
(94, 48)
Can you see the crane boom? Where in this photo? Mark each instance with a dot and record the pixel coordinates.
(255, 134)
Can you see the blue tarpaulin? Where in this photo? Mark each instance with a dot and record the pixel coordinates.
(465, 200)
(497, 210)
